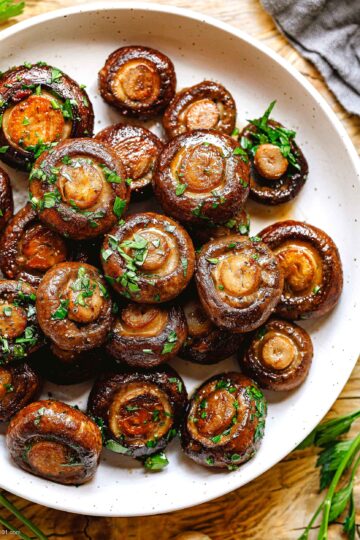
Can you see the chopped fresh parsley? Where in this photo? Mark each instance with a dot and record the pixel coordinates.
(272, 134)
(56, 74)
(119, 206)
(115, 446)
(178, 382)
(62, 311)
(180, 189)
(170, 343)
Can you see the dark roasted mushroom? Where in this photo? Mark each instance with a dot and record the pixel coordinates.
(19, 385)
(138, 81)
(202, 177)
(225, 422)
(74, 307)
(20, 334)
(146, 335)
(55, 441)
(79, 188)
(150, 258)
(207, 105)
(312, 268)
(28, 248)
(239, 282)
(6, 199)
(238, 224)
(40, 106)
(69, 367)
(205, 344)
(278, 167)
(138, 149)
(140, 412)
(277, 356)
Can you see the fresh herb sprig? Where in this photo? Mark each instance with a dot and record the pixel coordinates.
(29, 524)
(9, 8)
(265, 133)
(337, 457)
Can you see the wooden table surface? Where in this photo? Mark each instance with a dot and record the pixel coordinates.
(277, 505)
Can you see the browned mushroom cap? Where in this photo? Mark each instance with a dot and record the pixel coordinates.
(277, 356)
(278, 170)
(69, 367)
(20, 334)
(138, 149)
(239, 282)
(55, 441)
(207, 105)
(225, 421)
(202, 177)
(311, 265)
(238, 224)
(146, 335)
(141, 412)
(205, 344)
(79, 188)
(6, 199)
(150, 258)
(19, 385)
(40, 106)
(138, 81)
(74, 307)
(28, 248)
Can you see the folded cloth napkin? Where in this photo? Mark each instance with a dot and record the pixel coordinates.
(327, 32)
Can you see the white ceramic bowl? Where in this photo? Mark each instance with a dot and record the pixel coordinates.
(77, 40)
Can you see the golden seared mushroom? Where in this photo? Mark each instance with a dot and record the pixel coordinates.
(312, 268)
(205, 344)
(238, 224)
(52, 440)
(28, 248)
(239, 281)
(138, 149)
(79, 188)
(145, 335)
(6, 199)
(207, 105)
(140, 412)
(202, 177)
(150, 258)
(40, 106)
(278, 167)
(74, 307)
(225, 422)
(139, 81)
(19, 385)
(277, 356)
(20, 334)
(64, 367)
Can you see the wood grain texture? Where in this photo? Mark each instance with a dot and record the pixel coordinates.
(277, 505)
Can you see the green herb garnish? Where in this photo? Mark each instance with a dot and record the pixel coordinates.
(337, 457)
(276, 135)
(62, 311)
(170, 344)
(9, 8)
(156, 462)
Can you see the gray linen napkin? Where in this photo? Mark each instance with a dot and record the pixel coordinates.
(327, 32)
